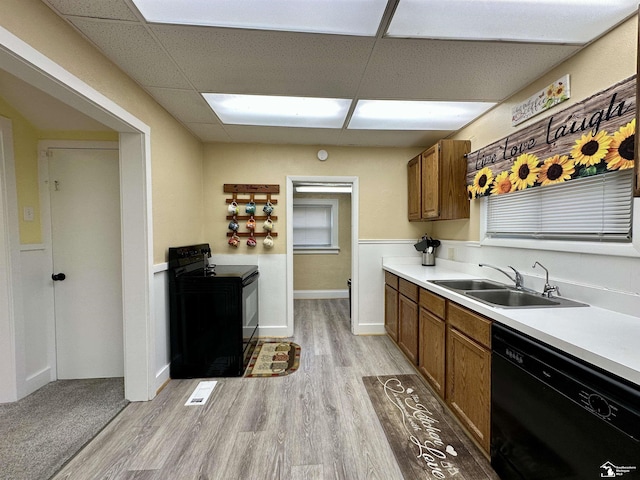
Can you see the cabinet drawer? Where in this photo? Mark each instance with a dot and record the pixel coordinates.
(432, 302)
(408, 289)
(391, 280)
(476, 327)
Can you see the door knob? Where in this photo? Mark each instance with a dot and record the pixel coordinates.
(58, 277)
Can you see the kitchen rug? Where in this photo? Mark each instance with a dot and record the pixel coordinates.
(422, 439)
(274, 359)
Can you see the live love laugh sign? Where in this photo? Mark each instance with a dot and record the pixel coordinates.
(592, 137)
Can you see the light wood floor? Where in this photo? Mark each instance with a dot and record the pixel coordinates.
(317, 423)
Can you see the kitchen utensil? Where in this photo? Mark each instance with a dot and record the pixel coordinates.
(421, 246)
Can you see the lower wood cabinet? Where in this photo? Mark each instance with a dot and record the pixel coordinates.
(391, 311)
(431, 349)
(468, 382)
(451, 347)
(408, 319)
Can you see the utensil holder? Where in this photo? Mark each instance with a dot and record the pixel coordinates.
(428, 259)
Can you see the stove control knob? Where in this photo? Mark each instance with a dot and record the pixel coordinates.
(599, 405)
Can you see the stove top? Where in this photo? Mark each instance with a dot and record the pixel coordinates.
(190, 260)
(239, 271)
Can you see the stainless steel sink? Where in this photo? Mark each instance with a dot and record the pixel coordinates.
(469, 284)
(501, 296)
(518, 299)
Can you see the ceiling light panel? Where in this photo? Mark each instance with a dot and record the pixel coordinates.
(545, 21)
(322, 189)
(278, 111)
(342, 17)
(415, 115)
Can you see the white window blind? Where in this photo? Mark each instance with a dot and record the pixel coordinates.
(312, 226)
(597, 208)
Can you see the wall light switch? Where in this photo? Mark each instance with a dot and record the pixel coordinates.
(28, 214)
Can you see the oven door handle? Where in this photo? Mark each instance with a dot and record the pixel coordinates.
(250, 279)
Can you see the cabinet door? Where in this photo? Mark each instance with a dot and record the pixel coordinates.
(391, 312)
(431, 353)
(469, 384)
(408, 329)
(414, 185)
(431, 183)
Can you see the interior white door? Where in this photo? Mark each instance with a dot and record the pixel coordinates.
(87, 249)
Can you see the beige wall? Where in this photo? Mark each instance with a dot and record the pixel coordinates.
(327, 271)
(598, 66)
(176, 155)
(382, 174)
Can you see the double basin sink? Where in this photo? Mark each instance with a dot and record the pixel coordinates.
(499, 295)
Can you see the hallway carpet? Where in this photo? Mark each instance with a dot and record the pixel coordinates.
(43, 431)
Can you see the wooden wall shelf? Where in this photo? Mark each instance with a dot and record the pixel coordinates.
(260, 194)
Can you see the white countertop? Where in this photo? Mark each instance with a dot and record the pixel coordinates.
(602, 337)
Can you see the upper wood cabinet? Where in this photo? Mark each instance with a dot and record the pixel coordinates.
(437, 182)
(414, 180)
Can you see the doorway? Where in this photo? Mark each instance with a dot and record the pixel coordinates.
(81, 186)
(30, 66)
(352, 182)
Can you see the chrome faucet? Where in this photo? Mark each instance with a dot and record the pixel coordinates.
(548, 289)
(518, 281)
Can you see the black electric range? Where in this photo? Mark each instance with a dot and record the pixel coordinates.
(213, 314)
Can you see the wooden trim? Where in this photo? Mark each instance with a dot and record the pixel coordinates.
(250, 188)
(252, 234)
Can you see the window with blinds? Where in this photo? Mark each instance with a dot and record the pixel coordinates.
(315, 224)
(597, 208)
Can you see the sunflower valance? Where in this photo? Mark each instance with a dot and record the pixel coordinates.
(592, 137)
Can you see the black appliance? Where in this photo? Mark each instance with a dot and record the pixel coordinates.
(556, 417)
(213, 314)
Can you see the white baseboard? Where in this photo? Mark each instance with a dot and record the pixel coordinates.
(274, 332)
(369, 329)
(319, 294)
(37, 380)
(162, 376)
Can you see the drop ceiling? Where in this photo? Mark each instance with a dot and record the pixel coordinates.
(175, 64)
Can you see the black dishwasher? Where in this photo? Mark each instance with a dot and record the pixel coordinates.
(213, 314)
(556, 417)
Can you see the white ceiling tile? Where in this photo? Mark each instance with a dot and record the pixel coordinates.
(280, 135)
(386, 138)
(112, 9)
(175, 63)
(259, 62)
(187, 105)
(136, 51)
(464, 71)
(208, 132)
